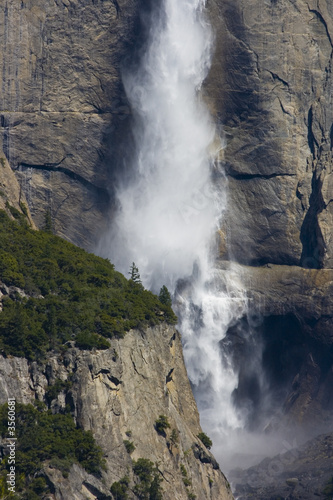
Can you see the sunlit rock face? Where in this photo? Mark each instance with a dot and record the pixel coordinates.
(270, 86)
(119, 394)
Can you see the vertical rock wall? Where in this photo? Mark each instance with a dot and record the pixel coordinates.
(62, 106)
(271, 88)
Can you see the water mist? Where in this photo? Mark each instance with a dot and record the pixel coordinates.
(171, 205)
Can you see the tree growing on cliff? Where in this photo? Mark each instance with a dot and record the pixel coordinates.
(205, 440)
(48, 225)
(134, 274)
(149, 487)
(161, 424)
(165, 297)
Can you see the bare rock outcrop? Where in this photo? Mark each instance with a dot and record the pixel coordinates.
(11, 194)
(119, 394)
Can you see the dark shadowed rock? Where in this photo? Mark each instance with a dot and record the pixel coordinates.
(270, 87)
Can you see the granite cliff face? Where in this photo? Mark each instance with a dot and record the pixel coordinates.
(270, 87)
(62, 105)
(118, 394)
(63, 112)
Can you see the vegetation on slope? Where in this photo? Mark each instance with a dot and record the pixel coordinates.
(71, 295)
(43, 436)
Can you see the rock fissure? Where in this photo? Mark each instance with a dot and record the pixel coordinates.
(247, 176)
(322, 20)
(249, 49)
(283, 108)
(117, 6)
(54, 167)
(312, 141)
(93, 490)
(311, 236)
(168, 378)
(114, 380)
(277, 77)
(136, 370)
(116, 389)
(164, 477)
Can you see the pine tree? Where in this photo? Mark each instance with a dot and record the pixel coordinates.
(134, 273)
(48, 225)
(165, 297)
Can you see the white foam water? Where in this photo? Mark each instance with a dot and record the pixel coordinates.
(169, 208)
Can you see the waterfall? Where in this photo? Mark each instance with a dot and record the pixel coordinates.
(171, 200)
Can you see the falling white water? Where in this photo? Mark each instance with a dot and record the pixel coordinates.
(169, 208)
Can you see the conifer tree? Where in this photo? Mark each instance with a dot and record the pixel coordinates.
(165, 297)
(134, 273)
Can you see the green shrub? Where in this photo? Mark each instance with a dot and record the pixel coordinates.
(43, 436)
(53, 390)
(205, 440)
(328, 490)
(24, 208)
(186, 480)
(174, 437)
(48, 225)
(62, 464)
(74, 295)
(161, 424)
(87, 340)
(129, 445)
(17, 214)
(149, 487)
(119, 489)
